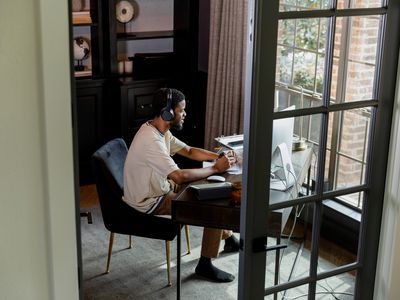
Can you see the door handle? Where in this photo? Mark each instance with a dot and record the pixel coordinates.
(260, 245)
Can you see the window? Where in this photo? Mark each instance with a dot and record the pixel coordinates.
(336, 62)
(302, 44)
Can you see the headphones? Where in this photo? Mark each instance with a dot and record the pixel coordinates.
(167, 113)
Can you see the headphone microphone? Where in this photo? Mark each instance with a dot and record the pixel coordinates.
(167, 113)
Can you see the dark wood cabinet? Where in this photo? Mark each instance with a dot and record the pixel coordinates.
(88, 25)
(109, 104)
(137, 104)
(124, 41)
(90, 123)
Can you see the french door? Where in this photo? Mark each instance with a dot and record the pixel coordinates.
(336, 62)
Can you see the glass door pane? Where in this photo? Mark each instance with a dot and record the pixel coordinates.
(355, 58)
(301, 62)
(348, 146)
(328, 79)
(298, 5)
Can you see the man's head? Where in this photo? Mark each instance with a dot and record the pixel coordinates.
(169, 104)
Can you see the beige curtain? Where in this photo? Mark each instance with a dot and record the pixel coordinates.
(226, 69)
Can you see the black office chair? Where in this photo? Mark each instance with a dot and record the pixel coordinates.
(119, 217)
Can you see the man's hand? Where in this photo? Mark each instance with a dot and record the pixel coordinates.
(222, 164)
(232, 156)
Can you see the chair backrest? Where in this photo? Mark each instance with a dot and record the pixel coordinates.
(108, 167)
(113, 155)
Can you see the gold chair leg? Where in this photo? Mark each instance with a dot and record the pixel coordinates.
(167, 250)
(110, 245)
(130, 242)
(187, 238)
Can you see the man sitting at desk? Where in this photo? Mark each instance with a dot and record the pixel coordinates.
(152, 178)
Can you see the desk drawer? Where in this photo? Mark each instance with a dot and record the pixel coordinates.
(205, 214)
(202, 215)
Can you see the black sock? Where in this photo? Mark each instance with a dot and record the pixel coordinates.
(231, 244)
(206, 269)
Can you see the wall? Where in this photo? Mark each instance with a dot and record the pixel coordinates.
(37, 230)
(388, 270)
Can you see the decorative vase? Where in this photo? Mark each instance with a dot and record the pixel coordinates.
(76, 5)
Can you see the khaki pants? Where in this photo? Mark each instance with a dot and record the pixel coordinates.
(211, 237)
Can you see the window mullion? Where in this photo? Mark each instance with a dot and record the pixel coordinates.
(321, 160)
(293, 52)
(316, 56)
(340, 98)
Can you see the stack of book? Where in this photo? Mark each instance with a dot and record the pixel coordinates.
(81, 17)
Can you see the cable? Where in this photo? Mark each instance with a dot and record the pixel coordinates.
(297, 185)
(315, 159)
(301, 210)
(294, 222)
(296, 214)
(285, 181)
(318, 293)
(289, 236)
(279, 178)
(330, 291)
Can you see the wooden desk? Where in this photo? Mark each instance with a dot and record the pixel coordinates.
(215, 213)
(221, 213)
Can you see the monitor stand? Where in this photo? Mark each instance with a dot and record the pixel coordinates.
(282, 172)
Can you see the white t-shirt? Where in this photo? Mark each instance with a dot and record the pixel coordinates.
(147, 166)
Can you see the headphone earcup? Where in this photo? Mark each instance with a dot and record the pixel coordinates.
(167, 114)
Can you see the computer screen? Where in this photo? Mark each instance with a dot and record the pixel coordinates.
(282, 132)
(282, 172)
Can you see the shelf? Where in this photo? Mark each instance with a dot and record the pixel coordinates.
(145, 35)
(86, 73)
(129, 79)
(82, 18)
(85, 24)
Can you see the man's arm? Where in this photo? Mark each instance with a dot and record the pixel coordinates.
(197, 154)
(181, 176)
(203, 155)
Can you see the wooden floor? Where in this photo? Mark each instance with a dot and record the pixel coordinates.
(88, 196)
(328, 249)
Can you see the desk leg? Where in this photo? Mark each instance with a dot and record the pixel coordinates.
(308, 181)
(305, 223)
(277, 264)
(178, 267)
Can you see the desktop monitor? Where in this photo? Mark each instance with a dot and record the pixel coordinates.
(282, 172)
(282, 132)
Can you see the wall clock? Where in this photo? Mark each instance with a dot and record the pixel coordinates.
(125, 11)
